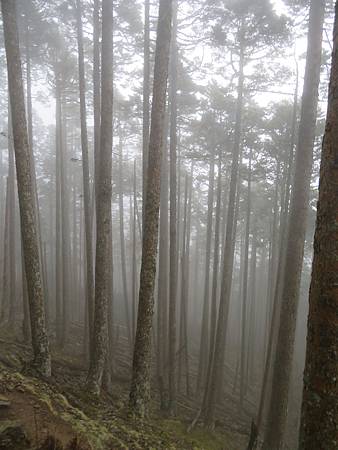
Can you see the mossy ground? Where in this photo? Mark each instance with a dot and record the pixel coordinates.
(62, 408)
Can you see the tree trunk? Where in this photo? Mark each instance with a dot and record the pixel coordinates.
(85, 175)
(140, 385)
(215, 269)
(5, 266)
(11, 223)
(163, 287)
(103, 207)
(243, 379)
(204, 343)
(173, 218)
(319, 428)
(66, 280)
(25, 191)
(296, 233)
(219, 351)
(58, 229)
(146, 101)
(96, 91)
(122, 244)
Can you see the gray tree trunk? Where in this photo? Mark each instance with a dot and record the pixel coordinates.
(85, 174)
(277, 412)
(140, 385)
(319, 419)
(29, 233)
(103, 207)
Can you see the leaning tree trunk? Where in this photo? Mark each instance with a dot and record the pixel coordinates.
(140, 385)
(25, 190)
(277, 412)
(103, 207)
(319, 421)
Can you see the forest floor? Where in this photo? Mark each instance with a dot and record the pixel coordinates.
(58, 414)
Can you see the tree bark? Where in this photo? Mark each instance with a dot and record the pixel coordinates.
(146, 101)
(219, 351)
(173, 252)
(319, 426)
(204, 342)
(243, 379)
(140, 385)
(85, 174)
(277, 412)
(103, 207)
(40, 343)
(122, 243)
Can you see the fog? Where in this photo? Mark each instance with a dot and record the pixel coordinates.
(167, 162)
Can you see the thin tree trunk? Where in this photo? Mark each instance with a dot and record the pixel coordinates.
(163, 287)
(58, 229)
(204, 342)
(85, 175)
(243, 379)
(173, 218)
(146, 101)
(96, 91)
(5, 267)
(277, 413)
(134, 257)
(103, 208)
(25, 191)
(215, 275)
(229, 248)
(140, 385)
(122, 244)
(65, 248)
(11, 229)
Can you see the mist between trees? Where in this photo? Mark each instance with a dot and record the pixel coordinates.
(159, 165)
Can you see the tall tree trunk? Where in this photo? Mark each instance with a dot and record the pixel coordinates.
(25, 190)
(140, 385)
(146, 101)
(296, 232)
(173, 217)
(219, 351)
(319, 428)
(66, 281)
(134, 256)
(103, 207)
(122, 243)
(96, 91)
(182, 313)
(163, 287)
(11, 229)
(5, 267)
(215, 269)
(85, 174)
(243, 379)
(58, 229)
(204, 342)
